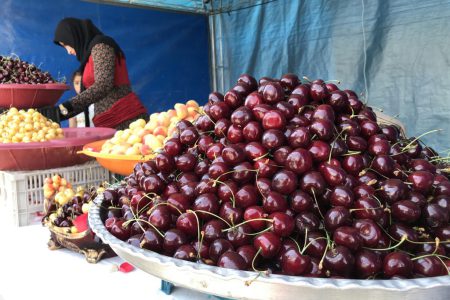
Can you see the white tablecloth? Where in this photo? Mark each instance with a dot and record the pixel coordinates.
(28, 270)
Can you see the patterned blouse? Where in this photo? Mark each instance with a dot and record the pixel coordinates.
(103, 92)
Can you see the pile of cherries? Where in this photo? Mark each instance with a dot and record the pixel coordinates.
(14, 70)
(290, 178)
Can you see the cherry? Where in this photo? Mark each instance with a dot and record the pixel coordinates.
(248, 253)
(443, 233)
(367, 264)
(214, 151)
(233, 155)
(248, 80)
(324, 112)
(252, 131)
(241, 116)
(206, 202)
(173, 146)
(323, 129)
(284, 182)
(434, 215)
(286, 109)
(300, 201)
(221, 127)
(272, 92)
(405, 211)
(369, 231)
(293, 263)
(274, 202)
(314, 269)
(350, 128)
(367, 208)
(383, 164)
(307, 220)
(442, 188)
(246, 196)
(255, 150)
(422, 181)
(299, 137)
(152, 241)
(235, 97)
(392, 190)
(443, 201)
(369, 128)
(380, 147)
(333, 175)
(283, 224)
(185, 162)
(342, 196)
(319, 150)
(429, 266)
(280, 155)
(297, 101)
(273, 119)
(185, 252)
(202, 249)
(240, 235)
(272, 139)
(253, 99)
(255, 212)
(356, 143)
(231, 260)
(187, 222)
(339, 261)
(204, 123)
(299, 161)
(355, 104)
(418, 199)
(231, 214)
(226, 191)
(160, 217)
(260, 110)
(235, 134)
(336, 217)
(219, 247)
(353, 164)
(289, 81)
(219, 110)
(339, 100)
(268, 243)
(349, 237)
(189, 136)
(318, 91)
(242, 172)
(422, 165)
(263, 186)
(313, 183)
(317, 243)
(397, 264)
(173, 238)
(398, 230)
(205, 186)
(118, 229)
(266, 167)
(215, 97)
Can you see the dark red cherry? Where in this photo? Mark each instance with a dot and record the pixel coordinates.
(248, 253)
(353, 164)
(272, 92)
(356, 143)
(189, 136)
(273, 138)
(300, 201)
(323, 129)
(383, 164)
(253, 99)
(339, 261)
(349, 237)
(318, 91)
(283, 224)
(342, 196)
(243, 172)
(392, 190)
(151, 240)
(219, 110)
(268, 243)
(160, 217)
(186, 252)
(260, 110)
(367, 208)
(429, 266)
(274, 202)
(319, 150)
(274, 119)
(289, 81)
(405, 211)
(336, 217)
(255, 150)
(281, 154)
(231, 214)
(235, 97)
(246, 196)
(339, 100)
(422, 181)
(313, 183)
(333, 175)
(380, 147)
(248, 80)
(367, 263)
(235, 134)
(369, 128)
(324, 112)
(173, 239)
(317, 244)
(299, 161)
(231, 260)
(397, 264)
(265, 167)
(299, 137)
(369, 231)
(284, 182)
(219, 247)
(293, 263)
(434, 215)
(240, 235)
(307, 220)
(206, 202)
(252, 131)
(286, 109)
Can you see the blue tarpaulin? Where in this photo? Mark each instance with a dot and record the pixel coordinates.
(405, 55)
(167, 53)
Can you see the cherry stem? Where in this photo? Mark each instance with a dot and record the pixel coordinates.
(309, 243)
(417, 138)
(324, 252)
(402, 240)
(233, 199)
(318, 207)
(262, 231)
(248, 221)
(198, 223)
(153, 226)
(214, 215)
(296, 243)
(351, 153)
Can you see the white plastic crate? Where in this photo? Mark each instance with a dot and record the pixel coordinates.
(22, 195)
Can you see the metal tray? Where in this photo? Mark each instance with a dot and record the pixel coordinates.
(235, 284)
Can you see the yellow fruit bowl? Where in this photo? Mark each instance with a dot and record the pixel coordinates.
(118, 164)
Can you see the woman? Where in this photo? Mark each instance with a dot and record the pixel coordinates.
(105, 76)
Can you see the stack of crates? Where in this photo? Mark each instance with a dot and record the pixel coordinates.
(22, 194)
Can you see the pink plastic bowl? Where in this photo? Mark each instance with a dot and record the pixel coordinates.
(52, 154)
(31, 95)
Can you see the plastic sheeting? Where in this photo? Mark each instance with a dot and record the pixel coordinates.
(167, 53)
(406, 45)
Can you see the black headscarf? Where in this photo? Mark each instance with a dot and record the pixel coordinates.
(82, 35)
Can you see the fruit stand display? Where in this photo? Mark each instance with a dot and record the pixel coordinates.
(32, 146)
(283, 187)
